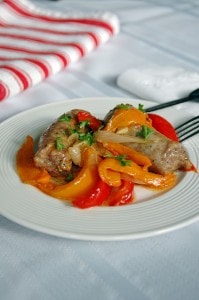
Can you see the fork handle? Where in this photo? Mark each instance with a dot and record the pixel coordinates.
(193, 96)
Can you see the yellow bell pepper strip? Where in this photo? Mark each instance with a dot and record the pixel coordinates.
(83, 182)
(26, 169)
(110, 170)
(127, 117)
(137, 157)
(95, 197)
(121, 195)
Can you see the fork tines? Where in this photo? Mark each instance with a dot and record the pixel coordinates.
(188, 129)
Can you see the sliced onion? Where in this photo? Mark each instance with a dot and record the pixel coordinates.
(76, 153)
(107, 136)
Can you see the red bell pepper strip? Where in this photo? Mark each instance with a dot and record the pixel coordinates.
(93, 122)
(96, 197)
(121, 195)
(163, 126)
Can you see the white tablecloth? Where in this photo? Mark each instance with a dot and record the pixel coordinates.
(38, 266)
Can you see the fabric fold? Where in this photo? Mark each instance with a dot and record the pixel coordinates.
(36, 43)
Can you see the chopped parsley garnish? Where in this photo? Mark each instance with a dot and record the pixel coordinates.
(121, 158)
(63, 132)
(88, 137)
(84, 124)
(141, 107)
(71, 131)
(65, 118)
(59, 143)
(69, 177)
(145, 132)
(124, 106)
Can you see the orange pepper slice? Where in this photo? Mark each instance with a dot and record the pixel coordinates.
(137, 157)
(25, 164)
(110, 170)
(126, 117)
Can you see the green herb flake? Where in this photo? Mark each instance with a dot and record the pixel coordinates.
(88, 137)
(70, 177)
(71, 131)
(63, 132)
(121, 158)
(145, 132)
(59, 143)
(141, 107)
(84, 124)
(124, 106)
(65, 118)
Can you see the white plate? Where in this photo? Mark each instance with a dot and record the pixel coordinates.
(152, 213)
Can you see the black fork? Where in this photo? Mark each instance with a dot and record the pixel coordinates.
(188, 129)
(193, 96)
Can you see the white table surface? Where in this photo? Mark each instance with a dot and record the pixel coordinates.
(34, 265)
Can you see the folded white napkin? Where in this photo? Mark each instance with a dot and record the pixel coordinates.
(35, 43)
(160, 83)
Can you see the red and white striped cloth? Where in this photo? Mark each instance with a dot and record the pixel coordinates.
(35, 43)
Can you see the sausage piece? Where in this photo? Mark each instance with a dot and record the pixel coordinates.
(53, 147)
(166, 155)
